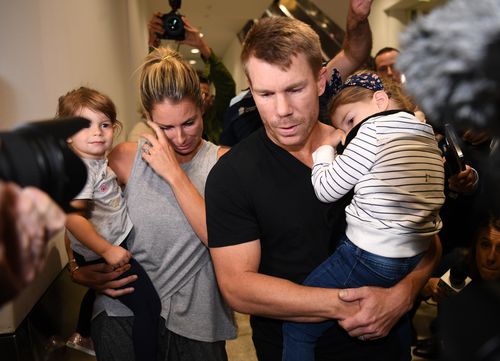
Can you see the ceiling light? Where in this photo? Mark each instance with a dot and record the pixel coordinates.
(195, 51)
(192, 62)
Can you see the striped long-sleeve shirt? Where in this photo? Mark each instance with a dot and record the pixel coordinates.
(395, 167)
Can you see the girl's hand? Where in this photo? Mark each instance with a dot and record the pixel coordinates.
(335, 137)
(116, 256)
(338, 137)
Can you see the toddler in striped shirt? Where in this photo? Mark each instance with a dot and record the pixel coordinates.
(392, 162)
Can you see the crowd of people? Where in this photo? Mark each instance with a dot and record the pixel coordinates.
(326, 224)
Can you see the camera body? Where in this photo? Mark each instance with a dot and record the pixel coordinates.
(37, 154)
(172, 23)
(455, 161)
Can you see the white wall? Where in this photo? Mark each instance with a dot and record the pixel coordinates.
(232, 62)
(386, 25)
(51, 46)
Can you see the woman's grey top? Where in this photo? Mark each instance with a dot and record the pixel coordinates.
(175, 259)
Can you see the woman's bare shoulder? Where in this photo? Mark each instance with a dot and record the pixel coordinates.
(121, 159)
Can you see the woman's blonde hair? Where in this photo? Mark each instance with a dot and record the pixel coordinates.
(165, 75)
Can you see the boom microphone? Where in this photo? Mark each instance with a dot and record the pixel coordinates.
(450, 60)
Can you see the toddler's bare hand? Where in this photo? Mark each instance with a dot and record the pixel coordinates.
(116, 256)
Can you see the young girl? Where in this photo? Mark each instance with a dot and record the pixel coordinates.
(98, 231)
(393, 163)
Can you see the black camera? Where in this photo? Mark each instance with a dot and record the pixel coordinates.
(37, 154)
(172, 23)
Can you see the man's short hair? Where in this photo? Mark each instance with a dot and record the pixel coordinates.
(276, 40)
(387, 49)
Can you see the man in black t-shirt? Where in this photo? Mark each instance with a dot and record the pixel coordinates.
(266, 228)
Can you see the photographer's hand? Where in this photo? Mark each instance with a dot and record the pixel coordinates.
(432, 289)
(194, 39)
(464, 182)
(475, 137)
(29, 218)
(155, 29)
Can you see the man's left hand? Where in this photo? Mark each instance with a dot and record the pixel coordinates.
(381, 309)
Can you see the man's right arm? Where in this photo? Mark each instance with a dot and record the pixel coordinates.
(235, 248)
(248, 291)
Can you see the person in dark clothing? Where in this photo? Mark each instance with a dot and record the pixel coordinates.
(266, 228)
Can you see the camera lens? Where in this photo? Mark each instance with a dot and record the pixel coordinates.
(173, 26)
(37, 154)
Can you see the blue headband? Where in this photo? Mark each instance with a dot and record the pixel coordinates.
(369, 81)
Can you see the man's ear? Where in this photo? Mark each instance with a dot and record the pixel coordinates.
(322, 80)
(381, 99)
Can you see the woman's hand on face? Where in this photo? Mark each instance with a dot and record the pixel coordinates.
(159, 153)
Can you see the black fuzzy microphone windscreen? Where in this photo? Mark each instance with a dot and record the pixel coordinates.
(451, 62)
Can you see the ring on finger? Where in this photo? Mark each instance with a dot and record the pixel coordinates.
(362, 338)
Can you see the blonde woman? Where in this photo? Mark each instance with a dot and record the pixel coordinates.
(164, 178)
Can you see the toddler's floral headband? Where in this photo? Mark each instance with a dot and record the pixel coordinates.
(369, 81)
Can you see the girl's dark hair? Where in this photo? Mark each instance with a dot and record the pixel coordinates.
(353, 94)
(71, 103)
